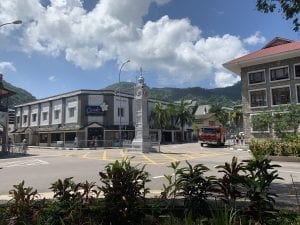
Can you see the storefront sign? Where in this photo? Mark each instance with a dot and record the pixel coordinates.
(96, 110)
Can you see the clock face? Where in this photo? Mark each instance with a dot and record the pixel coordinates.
(139, 93)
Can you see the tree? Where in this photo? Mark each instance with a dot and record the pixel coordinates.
(262, 121)
(281, 120)
(184, 116)
(293, 116)
(171, 116)
(159, 117)
(289, 8)
(220, 113)
(235, 117)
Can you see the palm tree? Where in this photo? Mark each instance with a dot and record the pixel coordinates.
(184, 116)
(235, 117)
(220, 113)
(159, 117)
(171, 116)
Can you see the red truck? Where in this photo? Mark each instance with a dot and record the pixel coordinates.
(212, 136)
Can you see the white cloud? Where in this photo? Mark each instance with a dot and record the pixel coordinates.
(7, 66)
(255, 39)
(114, 30)
(52, 78)
(223, 79)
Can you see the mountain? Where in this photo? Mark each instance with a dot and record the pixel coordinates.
(20, 97)
(226, 96)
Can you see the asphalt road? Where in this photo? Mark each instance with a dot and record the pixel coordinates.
(44, 166)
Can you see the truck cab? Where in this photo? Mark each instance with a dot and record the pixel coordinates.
(212, 136)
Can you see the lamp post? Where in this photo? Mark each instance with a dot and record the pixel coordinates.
(13, 22)
(119, 109)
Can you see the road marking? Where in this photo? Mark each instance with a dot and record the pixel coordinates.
(149, 160)
(157, 177)
(31, 162)
(288, 171)
(104, 155)
(85, 156)
(169, 157)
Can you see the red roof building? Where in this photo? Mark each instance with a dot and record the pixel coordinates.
(270, 77)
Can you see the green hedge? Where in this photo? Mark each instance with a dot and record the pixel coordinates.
(276, 147)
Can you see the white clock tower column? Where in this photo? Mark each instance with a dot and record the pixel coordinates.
(141, 141)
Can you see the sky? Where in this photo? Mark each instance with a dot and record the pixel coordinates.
(67, 45)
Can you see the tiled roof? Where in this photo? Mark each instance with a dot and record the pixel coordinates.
(279, 49)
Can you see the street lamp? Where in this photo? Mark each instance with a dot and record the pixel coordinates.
(13, 22)
(119, 109)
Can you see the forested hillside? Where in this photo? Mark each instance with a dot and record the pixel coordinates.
(21, 96)
(226, 96)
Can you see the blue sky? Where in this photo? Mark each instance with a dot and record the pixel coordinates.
(66, 45)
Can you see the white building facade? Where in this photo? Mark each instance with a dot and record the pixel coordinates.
(85, 114)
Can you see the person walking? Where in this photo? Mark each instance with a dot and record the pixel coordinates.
(24, 145)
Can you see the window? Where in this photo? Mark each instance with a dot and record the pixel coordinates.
(258, 98)
(281, 95)
(256, 77)
(297, 71)
(56, 114)
(18, 119)
(33, 117)
(25, 119)
(120, 112)
(45, 116)
(72, 112)
(298, 93)
(281, 73)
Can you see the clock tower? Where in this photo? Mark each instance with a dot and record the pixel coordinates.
(141, 141)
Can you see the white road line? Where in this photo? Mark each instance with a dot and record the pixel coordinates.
(288, 171)
(157, 177)
(17, 163)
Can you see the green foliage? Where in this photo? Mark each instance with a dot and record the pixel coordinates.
(220, 113)
(124, 190)
(283, 119)
(159, 116)
(74, 203)
(23, 207)
(290, 147)
(228, 96)
(262, 121)
(223, 216)
(184, 116)
(20, 97)
(285, 217)
(290, 9)
(190, 183)
(229, 186)
(260, 174)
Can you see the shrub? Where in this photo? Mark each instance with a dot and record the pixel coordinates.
(124, 192)
(23, 207)
(190, 183)
(289, 147)
(73, 203)
(230, 185)
(260, 174)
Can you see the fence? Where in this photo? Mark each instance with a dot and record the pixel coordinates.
(18, 148)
